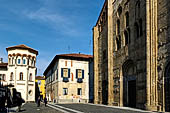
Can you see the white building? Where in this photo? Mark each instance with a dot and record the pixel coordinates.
(20, 70)
(68, 78)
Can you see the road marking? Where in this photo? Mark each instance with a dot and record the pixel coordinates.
(76, 111)
(58, 109)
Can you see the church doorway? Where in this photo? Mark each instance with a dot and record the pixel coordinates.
(129, 84)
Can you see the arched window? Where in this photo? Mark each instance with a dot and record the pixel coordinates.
(136, 31)
(118, 26)
(11, 76)
(141, 27)
(24, 61)
(30, 77)
(21, 76)
(118, 42)
(3, 77)
(126, 37)
(128, 29)
(119, 11)
(127, 18)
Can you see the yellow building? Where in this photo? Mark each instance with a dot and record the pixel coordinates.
(40, 87)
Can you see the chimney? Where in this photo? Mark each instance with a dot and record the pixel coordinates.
(1, 60)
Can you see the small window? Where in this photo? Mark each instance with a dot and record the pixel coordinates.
(71, 63)
(9, 61)
(21, 76)
(19, 61)
(119, 11)
(30, 77)
(11, 76)
(56, 74)
(65, 91)
(126, 37)
(127, 19)
(79, 91)
(118, 26)
(24, 61)
(65, 63)
(3, 77)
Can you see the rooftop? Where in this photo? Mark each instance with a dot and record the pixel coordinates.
(74, 56)
(22, 46)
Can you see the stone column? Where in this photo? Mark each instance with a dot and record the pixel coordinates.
(95, 56)
(110, 53)
(151, 54)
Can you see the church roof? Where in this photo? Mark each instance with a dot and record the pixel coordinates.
(22, 46)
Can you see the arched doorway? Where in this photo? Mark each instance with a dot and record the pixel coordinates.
(129, 84)
(167, 88)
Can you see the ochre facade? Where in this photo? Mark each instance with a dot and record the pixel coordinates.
(132, 54)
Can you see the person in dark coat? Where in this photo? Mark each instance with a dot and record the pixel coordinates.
(38, 102)
(19, 101)
(45, 101)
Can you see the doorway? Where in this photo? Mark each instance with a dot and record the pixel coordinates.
(132, 93)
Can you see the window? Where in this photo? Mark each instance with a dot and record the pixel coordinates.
(56, 74)
(65, 63)
(126, 38)
(2, 77)
(21, 76)
(11, 76)
(119, 11)
(118, 42)
(19, 61)
(65, 74)
(127, 19)
(118, 26)
(71, 63)
(65, 91)
(79, 75)
(79, 91)
(30, 77)
(9, 61)
(24, 61)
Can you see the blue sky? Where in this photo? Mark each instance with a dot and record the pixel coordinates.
(49, 26)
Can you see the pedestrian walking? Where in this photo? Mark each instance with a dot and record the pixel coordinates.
(45, 101)
(19, 101)
(38, 102)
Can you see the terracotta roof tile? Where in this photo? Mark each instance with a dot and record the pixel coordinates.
(76, 55)
(22, 46)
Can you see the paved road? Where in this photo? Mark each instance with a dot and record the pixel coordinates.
(32, 108)
(91, 108)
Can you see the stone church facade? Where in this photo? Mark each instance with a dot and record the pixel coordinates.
(132, 54)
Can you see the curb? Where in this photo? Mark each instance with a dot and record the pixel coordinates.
(123, 108)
